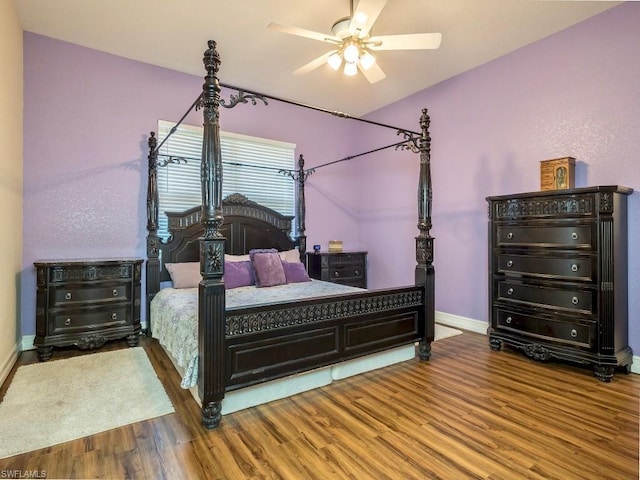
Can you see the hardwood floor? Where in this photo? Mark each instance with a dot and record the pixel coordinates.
(467, 413)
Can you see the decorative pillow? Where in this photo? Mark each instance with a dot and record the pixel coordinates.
(238, 274)
(290, 255)
(295, 272)
(184, 275)
(267, 267)
(236, 258)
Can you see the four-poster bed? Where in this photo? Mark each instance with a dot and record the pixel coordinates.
(243, 345)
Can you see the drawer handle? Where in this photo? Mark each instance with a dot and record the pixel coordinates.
(336, 274)
(509, 319)
(574, 236)
(357, 272)
(67, 322)
(574, 333)
(510, 291)
(114, 316)
(67, 296)
(574, 268)
(510, 263)
(115, 292)
(510, 235)
(574, 300)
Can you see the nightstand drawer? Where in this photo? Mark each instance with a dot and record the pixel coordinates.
(61, 296)
(346, 271)
(68, 321)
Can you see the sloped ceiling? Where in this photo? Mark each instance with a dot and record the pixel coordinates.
(174, 34)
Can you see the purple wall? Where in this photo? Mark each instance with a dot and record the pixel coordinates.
(87, 120)
(575, 93)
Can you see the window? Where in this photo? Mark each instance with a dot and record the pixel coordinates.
(250, 166)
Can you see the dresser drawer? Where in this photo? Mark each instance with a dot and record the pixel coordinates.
(569, 268)
(69, 295)
(563, 296)
(557, 330)
(347, 268)
(577, 236)
(70, 320)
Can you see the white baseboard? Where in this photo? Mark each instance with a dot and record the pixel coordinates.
(7, 364)
(27, 343)
(462, 323)
(478, 326)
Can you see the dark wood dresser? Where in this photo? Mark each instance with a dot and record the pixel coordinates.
(347, 268)
(86, 302)
(558, 276)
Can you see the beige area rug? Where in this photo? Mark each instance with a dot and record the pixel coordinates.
(60, 400)
(443, 331)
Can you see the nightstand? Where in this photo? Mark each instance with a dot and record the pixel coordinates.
(347, 268)
(86, 303)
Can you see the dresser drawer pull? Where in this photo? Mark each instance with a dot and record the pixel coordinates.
(509, 319)
(574, 236)
(510, 235)
(357, 272)
(115, 292)
(510, 263)
(114, 316)
(67, 296)
(510, 291)
(574, 333)
(67, 322)
(574, 268)
(336, 274)
(574, 300)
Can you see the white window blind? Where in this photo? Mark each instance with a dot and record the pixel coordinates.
(250, 167)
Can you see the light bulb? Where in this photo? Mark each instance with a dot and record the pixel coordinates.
(350, 69)
(351, 53)
(367, 60)
(334, 61)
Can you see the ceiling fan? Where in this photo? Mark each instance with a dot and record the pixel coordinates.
(351, 37)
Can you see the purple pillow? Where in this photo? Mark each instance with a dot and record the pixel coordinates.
(267, 267)
(238, 274)
(295, 272)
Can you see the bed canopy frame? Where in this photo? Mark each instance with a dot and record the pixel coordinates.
(213, 334)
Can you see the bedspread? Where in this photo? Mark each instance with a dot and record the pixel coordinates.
(174, 315)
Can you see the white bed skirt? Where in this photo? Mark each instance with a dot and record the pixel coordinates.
(285, 387)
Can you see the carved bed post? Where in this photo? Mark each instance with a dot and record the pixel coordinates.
(211, 301)
(301, 208)
(153, 262)
(425, 273)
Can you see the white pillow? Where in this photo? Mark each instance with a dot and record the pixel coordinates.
(184, 275)
(236, 258)
(291, 256)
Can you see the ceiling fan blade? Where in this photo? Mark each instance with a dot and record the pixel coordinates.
(313, 64)
(364, 16)
(301, 32)
(373, 74)
(410, 41)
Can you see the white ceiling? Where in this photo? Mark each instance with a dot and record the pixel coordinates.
(174, 34)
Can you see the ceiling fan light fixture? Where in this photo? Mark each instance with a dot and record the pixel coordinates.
(351, 53)
(350, 69)
(367, 60)
(334, 61)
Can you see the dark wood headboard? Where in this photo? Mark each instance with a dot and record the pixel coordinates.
(247, 225)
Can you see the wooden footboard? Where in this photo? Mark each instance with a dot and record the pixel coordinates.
(268, 342)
